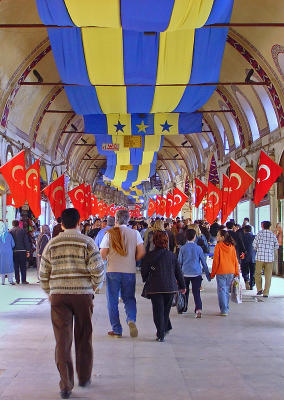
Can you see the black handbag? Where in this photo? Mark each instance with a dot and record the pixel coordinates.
(146, 285)
(181, 303)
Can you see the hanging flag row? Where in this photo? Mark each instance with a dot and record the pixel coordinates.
(167, 206)
(235, 186)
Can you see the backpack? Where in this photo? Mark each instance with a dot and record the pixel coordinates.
(203, 244)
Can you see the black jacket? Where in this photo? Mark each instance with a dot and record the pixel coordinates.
(21, 239)
(238, 238)
(161, 270)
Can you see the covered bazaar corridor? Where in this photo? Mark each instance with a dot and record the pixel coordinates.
(174, 111)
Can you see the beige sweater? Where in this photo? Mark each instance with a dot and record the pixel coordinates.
(71, 264)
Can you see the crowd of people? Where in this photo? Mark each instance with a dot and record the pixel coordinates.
(172, 256)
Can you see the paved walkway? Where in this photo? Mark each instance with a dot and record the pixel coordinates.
(233, 358)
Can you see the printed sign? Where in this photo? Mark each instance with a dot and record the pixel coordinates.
(126, 167)
(110, 146)
(132, 141)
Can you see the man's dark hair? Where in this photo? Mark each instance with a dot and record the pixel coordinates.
(247, 228)
(246, 219)
(190, 233)
(15, 223)
(70, 218)
(229, 225)
(266, 224)
(59, 220)
(166, 224)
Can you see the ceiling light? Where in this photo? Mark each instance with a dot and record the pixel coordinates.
(74, 127)
(183, 143)
(249, 75)
(38, 76)
(176, 156)
(83, 140)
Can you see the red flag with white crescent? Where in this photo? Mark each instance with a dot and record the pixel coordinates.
(240, 181)
(225, 197)
(158, 205)
(101, 209)
(268, 172)
(33, 194)
(170, 201)
(163, 206)
(77, 196)
(14, 173)
(94, 204)
(200, 192)
(88, 201)
(179, 199)
(56, 196)
(151, 207)
(111, 210)
(214, 203)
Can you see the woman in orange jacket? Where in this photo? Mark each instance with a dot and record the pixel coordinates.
(225, 267)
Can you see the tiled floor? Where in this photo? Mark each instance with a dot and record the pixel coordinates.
(233, 358)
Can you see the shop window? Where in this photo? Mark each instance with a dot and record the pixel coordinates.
(249, 114)
(261, 214)
(242, 211)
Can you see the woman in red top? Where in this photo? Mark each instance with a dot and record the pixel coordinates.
(225, 267)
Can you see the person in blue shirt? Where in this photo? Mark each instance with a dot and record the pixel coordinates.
(98, 239)
(191, 259)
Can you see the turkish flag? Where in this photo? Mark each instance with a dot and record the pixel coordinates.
(200, 192)
(214, 203)
(14, 173)
(101, 209)
(163, 206)
(33, 194)
(240, 181)
(88, 201)
(111, 210)
(9, 200)
(268, 172)
(170, 200)
(151, 207)
(77, 196)
(56, 196)
(179, 199)
(225, 198)
(105, 209)
(94, 204)
(158, 205)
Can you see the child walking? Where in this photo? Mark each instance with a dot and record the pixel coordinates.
(225, 267)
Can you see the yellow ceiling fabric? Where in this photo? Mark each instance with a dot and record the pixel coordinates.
(103, 13)
(123, 158)
(103, 48)
(172, 120)
(152, 145)
(124, 119)
(189, 14)
(174, 67)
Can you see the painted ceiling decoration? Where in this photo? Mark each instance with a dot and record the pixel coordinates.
(132, 62)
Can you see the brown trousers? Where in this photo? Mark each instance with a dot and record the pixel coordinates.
(65, 307)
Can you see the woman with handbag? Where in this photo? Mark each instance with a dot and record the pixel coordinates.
(225, 267)
(163, 278)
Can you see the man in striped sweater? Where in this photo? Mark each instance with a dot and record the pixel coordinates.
(70, 271)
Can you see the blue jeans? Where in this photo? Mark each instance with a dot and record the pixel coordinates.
(125, 284)
(223, 290)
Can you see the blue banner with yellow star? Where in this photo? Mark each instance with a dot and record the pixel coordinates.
(144, 124)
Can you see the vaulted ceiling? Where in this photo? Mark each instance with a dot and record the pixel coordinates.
(254, 111)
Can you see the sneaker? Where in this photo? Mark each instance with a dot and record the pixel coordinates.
(133, 329)
(247, 285)
(113, 334)
(86, 383)
(224, 314)
(259, 293)
(65, 394)
(25, 283)
(12, 283)
(160, 339)
(198, 314)
(265, 295)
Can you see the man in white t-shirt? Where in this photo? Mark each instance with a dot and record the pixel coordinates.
(122, 247)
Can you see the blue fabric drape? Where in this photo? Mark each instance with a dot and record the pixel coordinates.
(140, 57)
(53, 12)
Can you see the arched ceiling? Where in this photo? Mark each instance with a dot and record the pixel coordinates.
(25, 116)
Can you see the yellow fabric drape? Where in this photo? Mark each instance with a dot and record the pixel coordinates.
(103, 49)
(171, 119)
(124, 119)
(102, 13)
(152, 144)
(189, 14)
(123, 158)
(174, 67)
